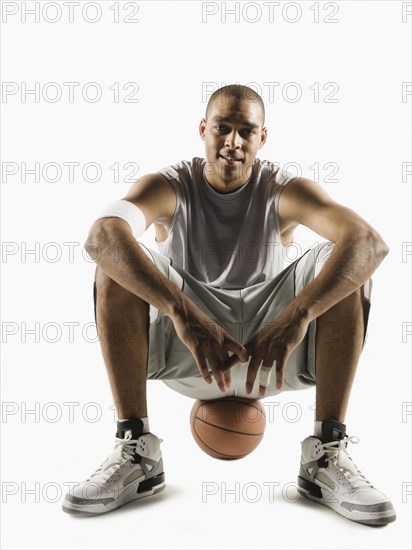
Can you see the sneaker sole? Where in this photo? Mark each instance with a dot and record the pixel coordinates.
(313, 492)
(143, 489)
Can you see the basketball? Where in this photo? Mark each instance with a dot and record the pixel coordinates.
(228, 428)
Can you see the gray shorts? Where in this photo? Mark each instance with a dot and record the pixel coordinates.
(241, 313)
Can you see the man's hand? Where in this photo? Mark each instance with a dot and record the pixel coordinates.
(272, 345)
(207, 340)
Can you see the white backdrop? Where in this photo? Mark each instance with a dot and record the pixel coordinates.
(118, 90)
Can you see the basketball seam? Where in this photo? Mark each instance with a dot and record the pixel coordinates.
(227, 429)
(216, 451)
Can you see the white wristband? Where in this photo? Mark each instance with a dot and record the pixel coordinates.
(128, 212)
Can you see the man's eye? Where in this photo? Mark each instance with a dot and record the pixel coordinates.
(221, 128)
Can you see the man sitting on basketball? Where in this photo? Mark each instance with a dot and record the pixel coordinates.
(215, 313)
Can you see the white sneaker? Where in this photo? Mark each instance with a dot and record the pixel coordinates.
(132, 471)
(329, 476)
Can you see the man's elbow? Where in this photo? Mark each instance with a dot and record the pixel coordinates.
(100, 236)
(385, 249)
(380, 248)
(106, 232)
(95, 239)
(97, 230)
(103, 228)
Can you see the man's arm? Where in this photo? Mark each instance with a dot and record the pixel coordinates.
(112, 246)
(358, 251)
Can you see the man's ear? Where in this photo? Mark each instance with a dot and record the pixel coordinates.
(263, 137)
(202, 128)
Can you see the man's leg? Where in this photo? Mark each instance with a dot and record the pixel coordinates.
(123, 321)
(339, 340)
(134, 469)
(327, 473)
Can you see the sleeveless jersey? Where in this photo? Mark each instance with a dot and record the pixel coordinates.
(230, 240)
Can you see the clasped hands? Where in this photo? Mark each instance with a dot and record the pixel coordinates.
(269, 348)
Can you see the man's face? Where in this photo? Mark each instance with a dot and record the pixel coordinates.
(232, 134)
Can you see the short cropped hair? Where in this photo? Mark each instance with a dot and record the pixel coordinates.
(238, 91)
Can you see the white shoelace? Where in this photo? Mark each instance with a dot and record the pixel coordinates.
(123, 450)
(332, 452)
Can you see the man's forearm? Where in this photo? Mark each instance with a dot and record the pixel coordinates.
(114, 249)
(353, 260)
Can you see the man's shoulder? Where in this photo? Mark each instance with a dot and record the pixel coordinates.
(273, 172)
(182, 168)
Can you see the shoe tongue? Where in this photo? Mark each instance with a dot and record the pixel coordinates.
(332, 430)
(133, 425)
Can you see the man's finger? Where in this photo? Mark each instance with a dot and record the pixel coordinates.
(238, 349)
(280, 367)
(264, 377)
(228, 378)
(202, 366)
(227, 375)
(239, 354)
(214, 363)
(251, 372)
(229, 362)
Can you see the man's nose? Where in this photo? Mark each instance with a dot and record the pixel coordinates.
(233, 140)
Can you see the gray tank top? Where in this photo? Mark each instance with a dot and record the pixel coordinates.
(226, 240)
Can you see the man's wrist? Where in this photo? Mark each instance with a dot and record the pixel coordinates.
(178, 306)
(299, 311)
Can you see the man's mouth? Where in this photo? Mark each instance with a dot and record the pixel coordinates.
(231, 161)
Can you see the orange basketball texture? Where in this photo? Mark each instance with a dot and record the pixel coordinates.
(228, 428)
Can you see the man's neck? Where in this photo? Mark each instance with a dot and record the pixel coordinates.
(224, 191)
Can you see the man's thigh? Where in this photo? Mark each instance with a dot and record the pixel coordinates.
(242, 313)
